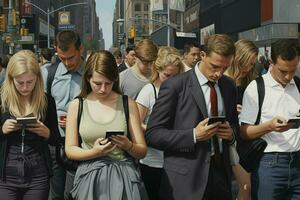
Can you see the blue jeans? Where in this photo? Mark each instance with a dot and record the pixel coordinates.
(277, 177)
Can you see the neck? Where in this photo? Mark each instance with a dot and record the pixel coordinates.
(157, 83)
(138, 72)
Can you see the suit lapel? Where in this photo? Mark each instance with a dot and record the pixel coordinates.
(197, 93)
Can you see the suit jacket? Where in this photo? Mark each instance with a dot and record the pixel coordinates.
(178, 110)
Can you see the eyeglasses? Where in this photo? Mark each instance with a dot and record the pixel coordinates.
(145, 62)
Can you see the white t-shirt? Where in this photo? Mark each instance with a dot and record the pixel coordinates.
(278, 101)
(146, 97)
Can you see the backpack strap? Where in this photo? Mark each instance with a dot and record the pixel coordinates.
(50, 77)
(154, 89)
(261, 95)
(297, 82)
(126, 112)
(80, 108)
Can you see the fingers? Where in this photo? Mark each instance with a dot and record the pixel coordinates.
(203, 122)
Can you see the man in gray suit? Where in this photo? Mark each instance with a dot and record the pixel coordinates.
(196, 157)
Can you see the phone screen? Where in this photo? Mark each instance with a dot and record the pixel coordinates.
(114, 132)
(214, 119)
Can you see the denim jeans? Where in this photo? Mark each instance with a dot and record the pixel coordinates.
(277, 177)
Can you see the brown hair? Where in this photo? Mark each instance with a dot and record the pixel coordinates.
(166, 56)
(146, 50)
(66, 39)
(104, 63)
(219, 43)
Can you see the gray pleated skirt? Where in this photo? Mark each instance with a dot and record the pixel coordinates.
(108, 179)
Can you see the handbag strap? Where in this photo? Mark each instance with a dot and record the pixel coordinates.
(261, 95)
(154, 90)
(80, 107)
(126, 112)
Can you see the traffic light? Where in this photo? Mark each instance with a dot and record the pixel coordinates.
(132, 32)
(2, 23)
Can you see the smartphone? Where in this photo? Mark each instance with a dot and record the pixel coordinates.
(214, 119)
(110, 133)
(295, 121)
(26, 120)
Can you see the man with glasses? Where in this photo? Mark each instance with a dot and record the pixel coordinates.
(64, 88)
(278, 173)
(132, 80)
(196, 155)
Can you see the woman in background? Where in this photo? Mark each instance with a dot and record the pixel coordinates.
(25, 165)
(242, 71)
(167, 64)
(107, 169)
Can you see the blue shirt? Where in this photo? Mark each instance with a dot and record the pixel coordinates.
(65, 87)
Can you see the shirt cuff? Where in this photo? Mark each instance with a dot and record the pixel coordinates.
(194, 134)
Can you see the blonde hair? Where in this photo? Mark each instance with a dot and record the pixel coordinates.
(245, 50)
(166, 56)
(146, 50)
(22, 62)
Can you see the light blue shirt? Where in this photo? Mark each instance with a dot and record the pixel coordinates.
(65, 87)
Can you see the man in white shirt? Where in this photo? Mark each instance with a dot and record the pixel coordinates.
(129, 59)
(278, 173)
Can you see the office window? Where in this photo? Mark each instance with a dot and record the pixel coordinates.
(137, 7)
(146, 7)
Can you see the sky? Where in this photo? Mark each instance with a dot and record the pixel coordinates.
(105, 11)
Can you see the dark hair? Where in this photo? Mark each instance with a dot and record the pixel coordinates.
(117, 53)
(47, 53)
(128, 49)
(104, 63)
(190, 44)
(286, 49)
(219, 43)
(65, 39)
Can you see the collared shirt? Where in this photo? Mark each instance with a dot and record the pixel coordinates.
(186, 67)
(278, 101)
(65, 87)
(206, 92)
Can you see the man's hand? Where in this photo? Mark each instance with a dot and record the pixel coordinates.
(204, 131)
(279, 124)
(225, 131)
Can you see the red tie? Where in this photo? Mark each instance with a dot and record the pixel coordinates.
(214, 112)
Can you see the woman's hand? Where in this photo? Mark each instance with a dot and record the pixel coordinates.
(10, 125)
(39, 128)
(122, 142)
(102, 147)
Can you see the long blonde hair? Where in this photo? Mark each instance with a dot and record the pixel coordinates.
(22, 62)
(245, 50)
(166, 56)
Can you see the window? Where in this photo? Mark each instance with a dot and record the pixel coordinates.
(146, 7)
(137, 7)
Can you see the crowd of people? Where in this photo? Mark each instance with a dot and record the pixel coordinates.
(159, 124)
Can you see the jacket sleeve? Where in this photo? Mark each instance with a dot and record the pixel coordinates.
(52, 123)
(160, 131)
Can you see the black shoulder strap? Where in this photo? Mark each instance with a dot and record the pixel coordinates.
(51, 73)
(80, 107)
(261, 95)
(154, 89)
(297, 82)
(126, 111)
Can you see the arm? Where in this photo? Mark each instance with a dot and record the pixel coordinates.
(101, 146)
(160, 132)
(142, 112)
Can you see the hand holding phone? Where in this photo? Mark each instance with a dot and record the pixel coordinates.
(26, 120)
(295, 121)
(214, 119)
(110, 133)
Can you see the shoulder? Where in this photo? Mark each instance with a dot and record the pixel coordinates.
(74, 104)
(228, 81)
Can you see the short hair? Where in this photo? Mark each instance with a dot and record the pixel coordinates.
(128, 49)
(66, 39)
(189, 45)
(22, 62)
(104, 63)
(286, 49)
(47, 53)
(146, 50)
(166, 56)
(219, 43)
(117, 53)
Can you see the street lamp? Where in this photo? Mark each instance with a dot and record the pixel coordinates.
(48, 13)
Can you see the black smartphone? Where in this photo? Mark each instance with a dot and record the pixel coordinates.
(26, 120)
(110, 133)
(214, 119)
(295, 121)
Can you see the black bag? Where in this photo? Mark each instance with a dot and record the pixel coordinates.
(251, 151)
(61, 157)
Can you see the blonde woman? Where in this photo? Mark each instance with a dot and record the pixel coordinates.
(242, 72)
(107, 170)
(167, 64)
(25, 165)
